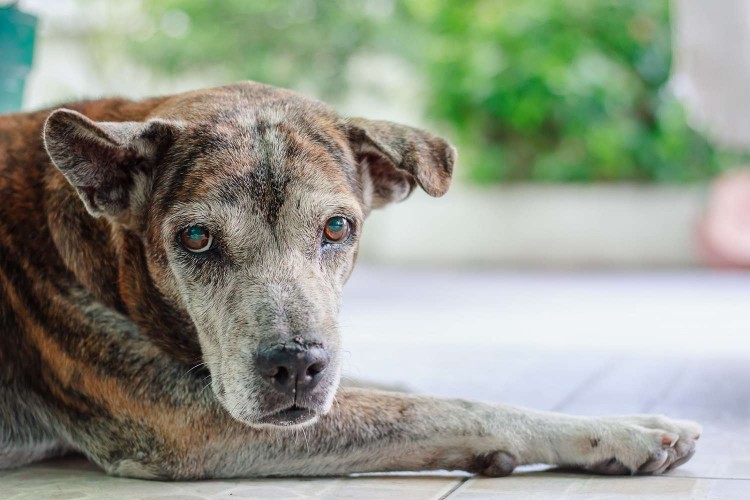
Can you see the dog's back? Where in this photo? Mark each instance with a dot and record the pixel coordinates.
(30, 188)
(32, 195)
(23, 437)
(21, 226)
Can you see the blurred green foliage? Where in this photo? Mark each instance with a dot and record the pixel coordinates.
(543, 90)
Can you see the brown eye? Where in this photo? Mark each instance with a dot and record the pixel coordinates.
(336, 230)
(196, 239)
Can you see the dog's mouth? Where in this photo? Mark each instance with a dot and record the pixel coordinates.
(293, 415)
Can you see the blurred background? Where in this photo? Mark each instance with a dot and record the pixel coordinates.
(601, 198)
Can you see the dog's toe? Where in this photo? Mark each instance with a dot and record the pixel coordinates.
(497, 464)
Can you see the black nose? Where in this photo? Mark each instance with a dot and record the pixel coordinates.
(292, 366)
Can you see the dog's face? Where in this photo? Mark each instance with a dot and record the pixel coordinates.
(250, 202)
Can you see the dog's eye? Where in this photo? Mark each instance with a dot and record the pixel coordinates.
(196, 239)
(336, 230)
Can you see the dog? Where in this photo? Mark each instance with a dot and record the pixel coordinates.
(170, 277)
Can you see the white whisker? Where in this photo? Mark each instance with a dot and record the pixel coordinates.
(307, 443)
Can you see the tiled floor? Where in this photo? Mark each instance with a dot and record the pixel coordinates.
(675, 343)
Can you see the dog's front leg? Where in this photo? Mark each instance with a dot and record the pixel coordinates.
(378, 431)
(368, 431)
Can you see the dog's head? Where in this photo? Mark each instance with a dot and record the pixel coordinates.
(249, 202)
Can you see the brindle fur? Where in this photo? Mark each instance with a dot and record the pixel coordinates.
(104, 325)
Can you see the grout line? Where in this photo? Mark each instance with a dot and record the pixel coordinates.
(455, 488)
(584, 476)
(709, 478)
(662, 477)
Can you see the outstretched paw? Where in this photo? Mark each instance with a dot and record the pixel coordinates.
(644, 444)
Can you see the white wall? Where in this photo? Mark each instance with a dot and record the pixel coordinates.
(537, 225)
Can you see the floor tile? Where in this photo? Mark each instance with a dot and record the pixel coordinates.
(559, 486)
(68, 478)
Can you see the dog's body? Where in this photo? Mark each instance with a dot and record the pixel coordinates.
(169, 284)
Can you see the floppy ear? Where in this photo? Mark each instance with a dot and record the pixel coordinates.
(396, 158)
(105, 161)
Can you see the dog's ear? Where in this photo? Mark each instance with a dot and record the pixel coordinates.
(395, 158)
(106, 162)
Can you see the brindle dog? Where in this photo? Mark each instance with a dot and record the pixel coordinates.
(170, 275)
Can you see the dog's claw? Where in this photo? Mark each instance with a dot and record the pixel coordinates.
(656, 462)
(682, 460)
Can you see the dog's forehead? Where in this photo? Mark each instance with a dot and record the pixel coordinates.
(265, 155)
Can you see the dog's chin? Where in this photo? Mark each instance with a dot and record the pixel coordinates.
(293, 416)
(273, 411)
(290, 417)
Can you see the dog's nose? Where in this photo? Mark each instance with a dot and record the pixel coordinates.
(293, 366)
